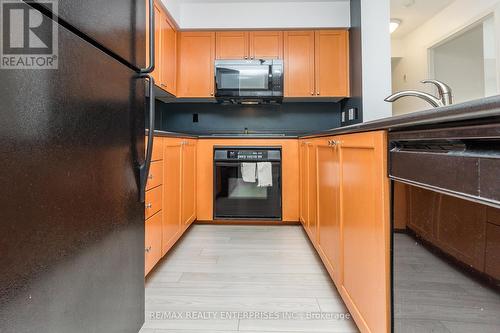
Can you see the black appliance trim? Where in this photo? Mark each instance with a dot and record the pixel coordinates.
(214, 218)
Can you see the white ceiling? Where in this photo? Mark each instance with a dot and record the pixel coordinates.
(236, 1)
(414, 13)
(259, 14)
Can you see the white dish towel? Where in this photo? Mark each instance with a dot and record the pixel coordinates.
(265, 174)
(248, 172)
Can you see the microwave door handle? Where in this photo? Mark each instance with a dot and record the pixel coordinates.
(270, 78)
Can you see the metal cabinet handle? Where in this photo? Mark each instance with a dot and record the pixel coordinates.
(317, 93)
(148, 249)
(144, 168)
(149, 205)
(151, 66)
(150, 176)
(312, 93)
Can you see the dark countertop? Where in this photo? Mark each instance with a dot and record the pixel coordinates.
(482, 110)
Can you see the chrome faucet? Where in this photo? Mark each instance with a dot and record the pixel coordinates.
(445, 94)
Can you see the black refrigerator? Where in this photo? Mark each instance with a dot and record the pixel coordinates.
(71, 146)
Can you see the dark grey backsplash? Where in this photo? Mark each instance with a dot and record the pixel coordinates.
(289, 118)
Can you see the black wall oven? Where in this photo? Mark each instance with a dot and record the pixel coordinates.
(235, 197)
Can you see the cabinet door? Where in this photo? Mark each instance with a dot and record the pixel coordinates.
(188, 182)
(152, 242)
(332, 63)
(328, 180)
(299, 63)
(158, 63)
(266, 45)
(304, 204)
(365, 273)
(311, 191)
(172, 187)
(168, 55)
(195, 72)
(231, 45)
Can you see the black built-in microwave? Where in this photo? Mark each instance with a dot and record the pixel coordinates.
(246, 80)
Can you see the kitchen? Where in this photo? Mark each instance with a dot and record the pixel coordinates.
(278, 191)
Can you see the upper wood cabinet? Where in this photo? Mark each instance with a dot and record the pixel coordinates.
(266, 45)
(299, 63)
(332, 63)
(316, 63)
(195, 72)
(249, 45)
(165, 50)
(157, 39)
(168, 54)
(231, 44)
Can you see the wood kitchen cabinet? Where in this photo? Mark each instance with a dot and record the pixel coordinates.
(328, 180)
(316, 63)
(152, 242)
(249, 45)
(188, 211)
(153, 207)
(232, 45)
(299, 63)
(364, 278)
(168, 54)
(331, 63)
(195, 71)
(303, 182)
(349, 172)
(312, 199)
(165, 50)
(171, 226)
(266, 45)
(157, 38)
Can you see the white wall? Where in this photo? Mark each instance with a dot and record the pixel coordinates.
(376, 50)
(259, 14)
(414, 64)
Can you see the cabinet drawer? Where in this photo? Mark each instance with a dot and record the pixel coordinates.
(157, 148)
(155, 177)
(153, 201)
(152, 241)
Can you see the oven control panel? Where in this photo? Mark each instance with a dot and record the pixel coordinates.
(246, 155)
(238, 154)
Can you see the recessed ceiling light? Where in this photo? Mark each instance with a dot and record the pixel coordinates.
(394, 25)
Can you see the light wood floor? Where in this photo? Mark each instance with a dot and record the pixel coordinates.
(433, 296)
(270, 271)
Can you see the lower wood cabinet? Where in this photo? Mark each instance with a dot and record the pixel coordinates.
(348, 220)
(328, 175)
(188, 209)
(170, 199)
(152, 242)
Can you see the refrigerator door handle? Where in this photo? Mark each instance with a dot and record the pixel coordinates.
(151, 37)
(144, 168)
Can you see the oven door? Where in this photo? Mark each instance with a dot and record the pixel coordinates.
(243, 80)
(236, 199)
